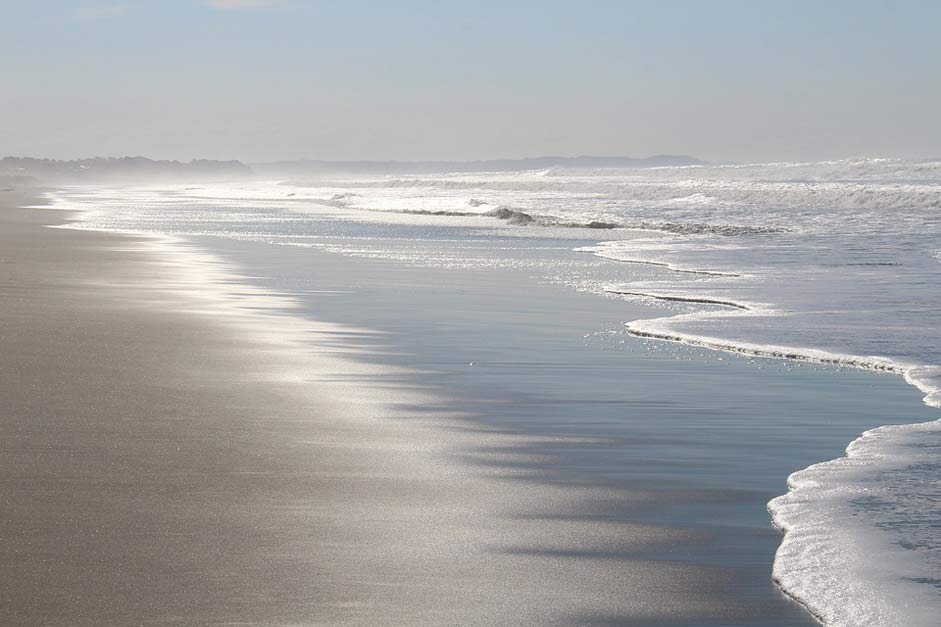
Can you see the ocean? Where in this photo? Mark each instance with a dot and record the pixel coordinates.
(739, 333)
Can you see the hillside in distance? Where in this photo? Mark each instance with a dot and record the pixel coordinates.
(122, 169)
(310, 167)
(144, 170)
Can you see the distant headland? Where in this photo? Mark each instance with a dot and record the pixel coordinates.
(122, 169)
(142, 169)
(313, 166)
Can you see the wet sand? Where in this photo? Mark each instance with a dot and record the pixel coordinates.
(174, 450)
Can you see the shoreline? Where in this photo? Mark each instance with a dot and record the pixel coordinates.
(492, 472)
(178, 446)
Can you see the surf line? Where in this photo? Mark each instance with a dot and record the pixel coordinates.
(646, 262)
(682, 299)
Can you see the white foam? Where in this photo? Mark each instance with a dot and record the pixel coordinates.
(634, 252)
(658, 328)
(861, 545)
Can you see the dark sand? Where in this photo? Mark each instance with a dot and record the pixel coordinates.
(172, 453)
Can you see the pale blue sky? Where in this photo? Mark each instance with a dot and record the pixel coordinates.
(256, 80)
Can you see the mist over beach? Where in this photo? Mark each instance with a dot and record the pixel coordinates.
(506, 314)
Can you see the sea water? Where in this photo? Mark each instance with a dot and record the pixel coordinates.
(835, 263)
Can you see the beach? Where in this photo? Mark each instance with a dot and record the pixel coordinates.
(163, 466)
(185, 444)
(619, 315)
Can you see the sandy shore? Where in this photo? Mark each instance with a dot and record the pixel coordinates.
(160, 463)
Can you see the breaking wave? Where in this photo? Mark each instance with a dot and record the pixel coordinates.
(523, 218)
(867, 184)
